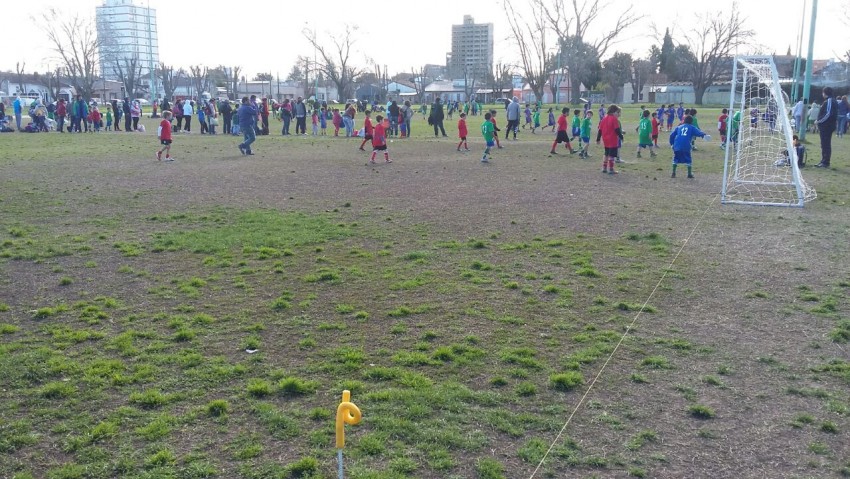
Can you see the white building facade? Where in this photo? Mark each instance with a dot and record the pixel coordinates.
(127, 33)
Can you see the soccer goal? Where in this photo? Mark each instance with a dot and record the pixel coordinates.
(761, 166)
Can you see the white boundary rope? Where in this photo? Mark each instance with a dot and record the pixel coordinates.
(628, 330)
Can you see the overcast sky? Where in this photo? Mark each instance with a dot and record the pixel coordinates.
(266, 35)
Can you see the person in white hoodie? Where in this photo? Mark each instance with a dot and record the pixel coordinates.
(188, 111)
(797, 114)
(513, 117)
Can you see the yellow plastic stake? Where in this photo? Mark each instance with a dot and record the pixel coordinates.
(346, 413)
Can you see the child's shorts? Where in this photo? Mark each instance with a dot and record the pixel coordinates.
(463, 138)
(491, 143)
(682, 157)
(645, 145)
(654, 137)
(612, 152)
(367, 137)
(562, 137)
(165, 142)
(585, 140)
(379, 148)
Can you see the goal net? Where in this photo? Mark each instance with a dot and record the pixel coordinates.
(761, 159)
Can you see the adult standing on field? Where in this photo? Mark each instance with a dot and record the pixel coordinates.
(188, 111)
(128, 120)
(826, 122)
(437, 117)
(300, 117)
(247, 116)
(81, 112)
(513, 117)
(227, 115)
(16, 106)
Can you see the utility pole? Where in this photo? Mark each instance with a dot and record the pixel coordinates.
(807, 84)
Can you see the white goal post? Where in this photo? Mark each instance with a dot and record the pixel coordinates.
(761, 161)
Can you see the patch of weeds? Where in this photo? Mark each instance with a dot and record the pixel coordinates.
(259, 388)
(403, 465)
(635, 471)
(304, 467)
(566, 381)
(163, 457)
(371, 445)
(808, 392)
(642, 438)
(701, 411)
(217, 408)
(488, 468)
(724, 370)
(829, 426)
(533, 450)
(588, 272)
(403, 311)
(323, 275)
(476, 244)
(68, 471)
(150, 398)
(4, 307)
(411, 359)
(639, 378)
(344, 308)
(128, 249)
(521, 356)
(498, 381)
(158, 428)
(279, 424)
(57, 390)
(525, 389)
(293, 386)
(841, 333)
(712, 380)
(282, 302)
(320, 414)
(819, 448)
(829, 306)
(417, 256)
(624, 306)
(656, 362)
(307, 343)
(6, 328)
(757, 294)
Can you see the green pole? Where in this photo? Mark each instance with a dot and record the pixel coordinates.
(807, 83)
(795, 81)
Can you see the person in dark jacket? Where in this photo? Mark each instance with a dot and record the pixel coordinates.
(227, 112)
(827, 122)
(247, 116)
(300, 117)
(61, 111)
(81, 111)
(128, 118)
(437, 116)
(118, 114)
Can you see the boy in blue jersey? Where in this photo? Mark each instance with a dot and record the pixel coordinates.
(680, 139)
(671, 114)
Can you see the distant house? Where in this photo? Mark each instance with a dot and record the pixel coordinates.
(562, 94)
(448, 90)
(400, 89)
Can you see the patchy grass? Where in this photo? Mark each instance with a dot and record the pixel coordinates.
(202, 320)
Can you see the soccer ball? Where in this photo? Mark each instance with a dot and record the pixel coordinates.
(141, 128)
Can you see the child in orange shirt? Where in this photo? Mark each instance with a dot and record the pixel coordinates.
(164, 135)
(379, 140)
(368, 130)
(462, 131)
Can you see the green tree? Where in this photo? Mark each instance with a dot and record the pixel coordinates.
(616, 72)
(667, 60)
(582, 61)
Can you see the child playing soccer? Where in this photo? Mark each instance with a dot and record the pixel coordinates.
(495, 127)
(337, 121)
(108, 118)
(536, 118)
(164, 135)
(379, 140)
(644, 135)
(368, 130)
(488, 129)
(576, 124)
(323, 122)
(585, 133)
(721, 127)
(527, 116)
(656, 126)
(681, 139)
(562, 135)
(462, 131)
(551, 123)
(671, 114)
(696, 124)
(611, 134)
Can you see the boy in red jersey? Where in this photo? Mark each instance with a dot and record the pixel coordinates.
(379, 140)
(562, 136)
(611, 134)
(655, 127)
(462, 131)
(164, 135)
(367, 130)
(721, 127)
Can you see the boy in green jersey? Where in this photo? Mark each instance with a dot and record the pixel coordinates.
(488, 130)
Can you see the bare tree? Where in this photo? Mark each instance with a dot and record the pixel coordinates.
(571, 21)
(419, 81)
(169, 79)
(468, 82)
(76, 42)
(499, 79)
(713, 43)
(335, 60)
(54, 83)
(20, 70)
(129, 71)
(642, 72)
(531, 39)
(199, 77)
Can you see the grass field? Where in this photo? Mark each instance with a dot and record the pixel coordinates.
(467, 307)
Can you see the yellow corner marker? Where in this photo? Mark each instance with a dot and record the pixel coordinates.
(346, 413)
